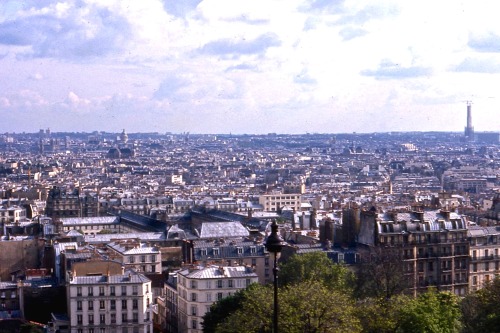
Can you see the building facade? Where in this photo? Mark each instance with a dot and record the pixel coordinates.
(276, 201)
(484, 255)
(109, 303)
(432, 245)
(199, 287)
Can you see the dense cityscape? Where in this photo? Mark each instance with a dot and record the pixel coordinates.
(234, 166)
(144, 232)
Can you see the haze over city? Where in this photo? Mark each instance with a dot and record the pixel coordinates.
(209, 66)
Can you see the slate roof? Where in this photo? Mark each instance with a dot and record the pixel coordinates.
(216, 272)
(236, 248)
(69, 221)
(222, 230)
(140, 249)
(132, 278)
(106, 238)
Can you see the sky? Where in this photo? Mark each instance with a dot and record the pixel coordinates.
(253, 66)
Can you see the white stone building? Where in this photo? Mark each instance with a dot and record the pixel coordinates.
(110, 302)
(199, 287)
(138, 256)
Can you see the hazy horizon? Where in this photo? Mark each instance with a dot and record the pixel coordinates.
(233, 66)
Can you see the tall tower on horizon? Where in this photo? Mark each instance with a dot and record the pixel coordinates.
(469, 129)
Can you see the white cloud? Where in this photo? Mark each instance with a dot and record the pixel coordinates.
(247, 66)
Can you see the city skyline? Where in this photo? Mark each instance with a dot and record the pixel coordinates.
(248, 66)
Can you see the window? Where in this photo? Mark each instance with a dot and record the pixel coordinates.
(254, 262)
(124, 303)
(240, 250)
(102, 319)
(203, 252)
(209, 297)
(131, 259)
(216, 252)
(193, 284)
(153, 258)
(135, 304)
(209, 284)
(79, 291)
(193, 297)
(79, 319)
(135, 317)
(124, 290)
(124, 317)
(102, 330)
(486, 266)
(193, 310)
(135, 290)
(474, 267)
(248, 281)
(219, 296)
(91, 305)
(230, 283)
(194, 324)
(143, 258)
(153, 269)
(112, 290)
(219, 283)
(253, 249)
(113, 318)
(90, 291)
(78, 305)
(101, 291)
(113, 304)
(91, 318)
(101, 305)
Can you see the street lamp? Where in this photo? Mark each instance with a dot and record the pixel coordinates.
(274, 244)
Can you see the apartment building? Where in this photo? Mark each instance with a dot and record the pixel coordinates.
(104, 299)
(197, 288)
(12, 214)
(276, 201)
(484, 255)
(234, 252)
(11, 299)
(136, 255)
(433, 246)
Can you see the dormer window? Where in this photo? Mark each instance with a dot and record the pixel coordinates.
(216, 251)
(240, 250)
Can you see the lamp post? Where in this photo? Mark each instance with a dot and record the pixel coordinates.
(274, 244)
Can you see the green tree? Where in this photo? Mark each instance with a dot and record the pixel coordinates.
(305, 307)
(315, 266)
(431, 312)
(380, 315)
(221, 309)
(481, 311)
(381, 274)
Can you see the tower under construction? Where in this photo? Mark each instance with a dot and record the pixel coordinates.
(469, 129)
